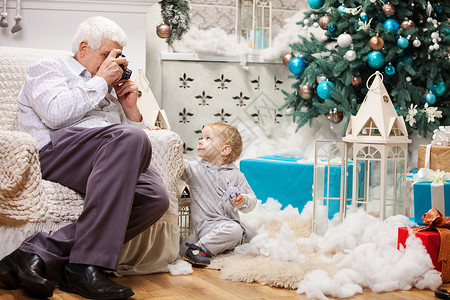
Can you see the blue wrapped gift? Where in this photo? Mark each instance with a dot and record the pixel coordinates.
(429, 195)
(290, 180)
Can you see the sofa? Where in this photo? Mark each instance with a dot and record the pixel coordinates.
(29, 204)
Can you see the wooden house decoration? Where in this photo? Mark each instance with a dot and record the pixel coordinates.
(254, 23)
(148, 105)
(379, 142)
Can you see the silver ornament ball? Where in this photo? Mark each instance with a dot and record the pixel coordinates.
(350, 55)
(344, 40)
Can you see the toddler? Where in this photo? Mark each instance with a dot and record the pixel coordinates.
(218, 191)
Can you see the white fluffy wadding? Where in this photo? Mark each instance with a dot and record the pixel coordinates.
(364, 247)
(180, 267)
(216, 41)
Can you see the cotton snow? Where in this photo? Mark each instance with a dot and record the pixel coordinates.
(180, 267)
(364, 247)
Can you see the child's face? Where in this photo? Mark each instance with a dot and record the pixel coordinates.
(210, 146)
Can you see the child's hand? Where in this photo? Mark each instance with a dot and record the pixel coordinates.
(239, 201)
(154, 128)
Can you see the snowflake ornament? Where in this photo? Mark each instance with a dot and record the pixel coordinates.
(432, 112)
(412, 112)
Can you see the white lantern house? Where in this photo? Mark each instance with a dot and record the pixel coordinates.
(330, 182)
(254, 23)
(380, 149)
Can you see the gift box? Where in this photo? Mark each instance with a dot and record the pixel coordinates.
(430, 239)
(426, 197)
(290, 180)
(438, 157)
(435, 237)
(431, 189)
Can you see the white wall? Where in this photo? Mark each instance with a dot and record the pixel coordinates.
(51, 24)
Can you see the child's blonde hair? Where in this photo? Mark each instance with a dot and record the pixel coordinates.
(232, 138)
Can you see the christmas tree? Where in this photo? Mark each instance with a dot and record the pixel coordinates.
(407, 41)
(175, 15)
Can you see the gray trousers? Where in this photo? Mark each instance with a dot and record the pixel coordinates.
(123, 196)
(226, 235)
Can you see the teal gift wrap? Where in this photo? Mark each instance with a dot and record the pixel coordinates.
(431, 190)
(290, 180)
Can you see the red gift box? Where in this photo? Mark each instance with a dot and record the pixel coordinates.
(430, 239)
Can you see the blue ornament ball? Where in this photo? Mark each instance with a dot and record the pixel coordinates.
(364, 18)
(392, 25)
(315, 4)
(390, 70)
(341, 8)
(438, 9)
(331, 28)
(430, 98)
(375, 59)
(297, 65)
(438, 88)
(324, 89)
(403, 42)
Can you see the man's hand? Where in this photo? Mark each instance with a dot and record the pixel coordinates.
(110, 69)
(127, 93)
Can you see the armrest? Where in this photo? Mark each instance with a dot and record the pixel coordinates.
(20, 176)
(167, 159)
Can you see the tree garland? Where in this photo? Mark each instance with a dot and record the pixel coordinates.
(176, 14)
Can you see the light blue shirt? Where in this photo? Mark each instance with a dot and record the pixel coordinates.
(59, 92)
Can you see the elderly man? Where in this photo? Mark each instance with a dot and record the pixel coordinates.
(88, 128)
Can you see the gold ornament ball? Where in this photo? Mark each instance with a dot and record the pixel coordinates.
(323, 22)
(356, 81)
(376, 43)
(306, 92)
(335, 116)
(163, 31)
(287, 57)
(408, 24)
(388, 10)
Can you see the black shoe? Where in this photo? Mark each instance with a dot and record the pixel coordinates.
(28, 269)
(92, 284)
(196, 256)
(442, 294)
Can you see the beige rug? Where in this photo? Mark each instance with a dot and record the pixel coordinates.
(268, 271)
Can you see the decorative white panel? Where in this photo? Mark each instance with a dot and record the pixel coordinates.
(224, 12)
(197, 93)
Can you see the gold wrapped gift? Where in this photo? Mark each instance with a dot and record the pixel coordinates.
(439, 157)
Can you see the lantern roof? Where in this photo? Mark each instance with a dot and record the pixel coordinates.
(377, 120)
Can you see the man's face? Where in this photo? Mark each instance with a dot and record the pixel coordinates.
(93, 59)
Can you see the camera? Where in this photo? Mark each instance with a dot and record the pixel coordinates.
(126, 72)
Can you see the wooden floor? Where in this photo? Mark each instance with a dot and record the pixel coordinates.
(206, 284)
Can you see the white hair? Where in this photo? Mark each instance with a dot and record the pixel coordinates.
(95, 30)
